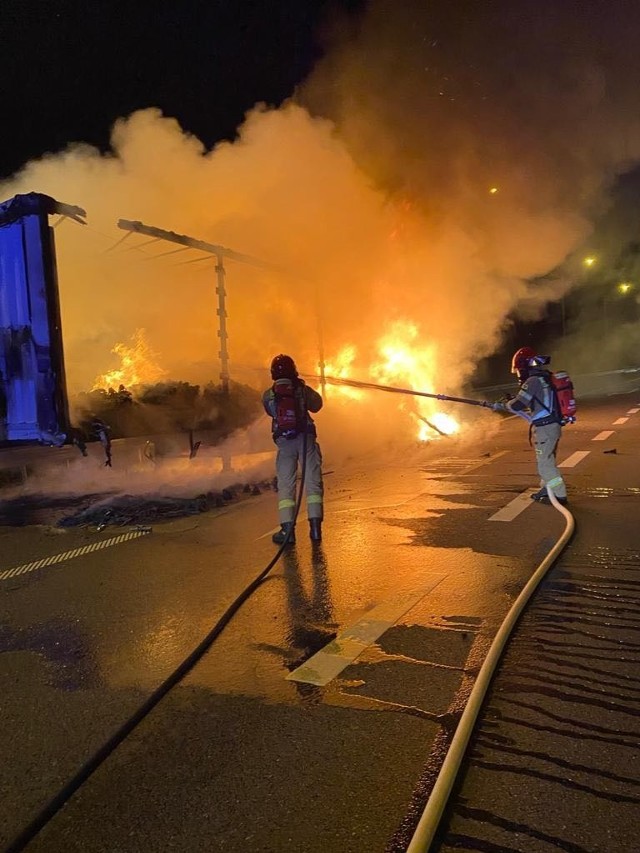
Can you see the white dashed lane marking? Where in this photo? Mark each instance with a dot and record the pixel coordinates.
(603, 436)
(572, 461)
(70, 555)
(513, 508)
(517, 505)
(521, 502)
(329, 662)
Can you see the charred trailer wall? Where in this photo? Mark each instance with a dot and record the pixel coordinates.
(33, 396)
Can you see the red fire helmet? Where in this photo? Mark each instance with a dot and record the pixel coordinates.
(283, 367)
(521, 359)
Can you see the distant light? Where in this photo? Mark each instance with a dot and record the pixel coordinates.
(589, 262)
(625, 287)
(493, 190)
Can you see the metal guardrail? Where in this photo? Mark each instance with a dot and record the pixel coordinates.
(586, 384)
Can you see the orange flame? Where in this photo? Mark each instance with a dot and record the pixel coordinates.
(138, 364)
(403, 362)
(340, 368)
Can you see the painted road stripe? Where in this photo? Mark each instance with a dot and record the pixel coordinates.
(71, 555)
(513, 508)
(329, 662)
(476, 465)
(620, 421)
(301, 518)
(269, 532)
(602, 436)
(572, 461)
(633, 411)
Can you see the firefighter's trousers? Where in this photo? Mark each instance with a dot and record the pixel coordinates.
(287, 459)
(545, 443)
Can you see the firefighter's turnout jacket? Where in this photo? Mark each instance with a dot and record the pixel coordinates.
(536, 400)
(290, 453)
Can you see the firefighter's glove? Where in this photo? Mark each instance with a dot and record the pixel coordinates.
(498, 406)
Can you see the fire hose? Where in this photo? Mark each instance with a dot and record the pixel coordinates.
(372, 386)
(56, 803)
(433, 811)
(431, 817)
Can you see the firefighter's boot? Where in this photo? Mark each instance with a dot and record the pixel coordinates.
(315, 529)
(279, 537)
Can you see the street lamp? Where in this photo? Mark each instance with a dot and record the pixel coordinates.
(623, 288)
(589, 261)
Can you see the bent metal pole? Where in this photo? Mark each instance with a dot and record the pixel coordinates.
(354, 383)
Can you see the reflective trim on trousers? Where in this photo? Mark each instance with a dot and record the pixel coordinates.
(555, 482)
(314, 506)
(288, 459)
(545, 442)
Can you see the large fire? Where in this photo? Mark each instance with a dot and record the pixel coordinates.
(340, 368)
(402, 362)
(138, 365)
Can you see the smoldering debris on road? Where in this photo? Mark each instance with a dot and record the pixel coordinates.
(100, 510)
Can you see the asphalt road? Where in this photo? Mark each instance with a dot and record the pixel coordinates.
(265, 747)
(553, 764)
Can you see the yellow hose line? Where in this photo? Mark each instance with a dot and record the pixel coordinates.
(430, 819)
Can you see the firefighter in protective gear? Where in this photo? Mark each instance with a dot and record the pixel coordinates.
(537, 403)
(288, 402)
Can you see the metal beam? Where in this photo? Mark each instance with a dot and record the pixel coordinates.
(193, 243)
(220, 253)
(170, 252)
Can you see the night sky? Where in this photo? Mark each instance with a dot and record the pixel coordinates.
(72, 67)
(435, 102)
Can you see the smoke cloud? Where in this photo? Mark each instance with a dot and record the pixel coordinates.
(504, 126)
(436, 162)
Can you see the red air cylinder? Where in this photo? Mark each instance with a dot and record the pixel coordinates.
(566, 398)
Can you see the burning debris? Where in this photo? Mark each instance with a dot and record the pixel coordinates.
(125, 510)
(100, 510)
(163, 408)
(139, 365)
(400, 359)
(24, 510)
(135, 510)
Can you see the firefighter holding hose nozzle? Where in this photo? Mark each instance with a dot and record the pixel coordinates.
(538, 401)
(288, 403)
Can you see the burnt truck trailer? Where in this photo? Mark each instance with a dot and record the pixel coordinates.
(33, 396)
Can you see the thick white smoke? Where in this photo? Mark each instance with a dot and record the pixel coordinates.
(436, 161)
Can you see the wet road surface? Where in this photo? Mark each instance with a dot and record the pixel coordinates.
(553, 765)
(242, 756)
